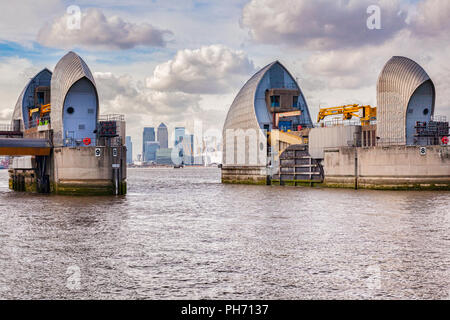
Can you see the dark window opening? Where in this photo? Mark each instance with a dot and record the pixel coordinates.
(81, 127)
(426, 111)
(70, 110)
(275, 101)
(295, 101)
(40, 98)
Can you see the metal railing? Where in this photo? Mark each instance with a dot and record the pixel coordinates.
(39, 122)
(338, 122)
(112, 141)
(109, 142)
(99, 140)
(111, 117)
(6, 127)
(439, 118)
(391, 142)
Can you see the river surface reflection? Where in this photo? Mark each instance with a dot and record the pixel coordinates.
(181, 234)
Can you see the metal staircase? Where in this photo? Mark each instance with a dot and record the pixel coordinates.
(297, 168)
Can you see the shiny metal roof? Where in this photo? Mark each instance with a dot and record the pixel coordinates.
(68, 71)
(18, 109)
(397, 82)
(242, 115)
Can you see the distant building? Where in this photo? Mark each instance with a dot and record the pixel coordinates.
(163, 136)
(188, 149)
(129, 145)
(179, 134)
(151, 148)
(164, 156)
(212, 150)
(147, 136)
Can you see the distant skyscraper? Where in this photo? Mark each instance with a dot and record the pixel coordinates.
(151, 148)
(188, 149)
(164, 156)
(147, 136)
(129, 150)
(179, 134)
(163, 136)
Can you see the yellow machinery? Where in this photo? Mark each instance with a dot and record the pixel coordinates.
(43, 110)
(367, 114)
(282, 140)
(46, 108)
(279, 139)
(282, 115)
(34, 111)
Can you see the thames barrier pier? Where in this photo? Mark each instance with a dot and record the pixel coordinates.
(253, 116)
(401, 144)
(58, 141)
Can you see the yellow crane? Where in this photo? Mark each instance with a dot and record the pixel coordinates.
(33, 111)
(364, 113)
(43, 109)
(281, 140)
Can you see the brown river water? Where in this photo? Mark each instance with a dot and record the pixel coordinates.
(181, 234)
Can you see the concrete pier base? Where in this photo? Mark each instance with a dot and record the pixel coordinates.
(80, 171)
(244, 175)
(77, 171)
(84, 187)
(388, 168)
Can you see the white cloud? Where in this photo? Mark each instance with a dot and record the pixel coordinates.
(98, 31)
(122, 94)
(21, 19)
(110, 85)
(431, 18)
(15, 73)
(320, 24)
(344, 69)
(208, 70)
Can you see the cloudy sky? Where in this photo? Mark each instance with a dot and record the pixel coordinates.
(178, 61)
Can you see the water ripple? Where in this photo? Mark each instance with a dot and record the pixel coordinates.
(181, 234)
